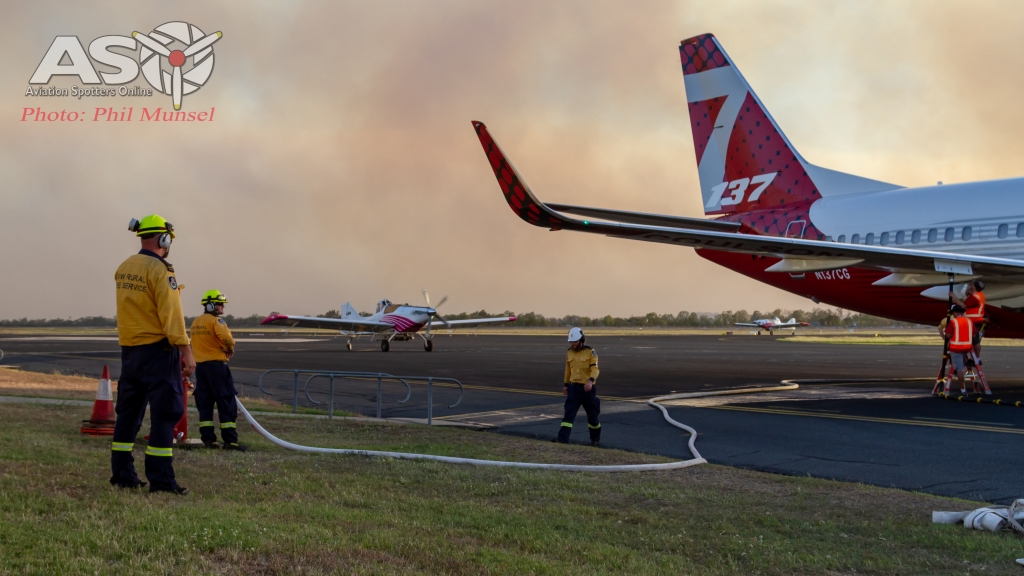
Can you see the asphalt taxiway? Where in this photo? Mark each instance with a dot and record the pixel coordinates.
(884, 433)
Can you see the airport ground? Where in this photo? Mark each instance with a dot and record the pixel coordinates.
(890, 434)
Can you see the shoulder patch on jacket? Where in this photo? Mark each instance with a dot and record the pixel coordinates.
(220, 320)
(172, 282)
(592, 351)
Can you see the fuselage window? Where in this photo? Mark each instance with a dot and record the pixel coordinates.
(870, 238)
(915, 236)
(842, 238)
(885, 239)
(855, 239)
(966, 234)
(1003, 231)
(933, 235)
(900, 237)
(1020, 230)
(949, 234)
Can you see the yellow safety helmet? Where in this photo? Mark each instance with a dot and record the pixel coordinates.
(152, 224)
(214, 297)
(211, 298)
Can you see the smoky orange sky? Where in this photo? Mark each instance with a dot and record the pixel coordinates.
(342, 166)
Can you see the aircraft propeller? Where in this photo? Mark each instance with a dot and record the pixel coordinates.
(433, 311)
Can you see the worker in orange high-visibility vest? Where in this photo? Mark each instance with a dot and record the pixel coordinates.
(974, 302)
(959, 331)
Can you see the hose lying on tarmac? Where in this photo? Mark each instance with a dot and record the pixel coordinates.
(654, 402)
(697, 459)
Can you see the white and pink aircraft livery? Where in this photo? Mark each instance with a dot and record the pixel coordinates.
(772, 324)
(848, 241)
(388, 322)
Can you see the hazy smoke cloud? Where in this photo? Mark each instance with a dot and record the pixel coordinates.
(342, 164)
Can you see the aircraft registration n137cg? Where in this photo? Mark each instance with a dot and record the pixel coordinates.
(388, 321)
(836, 238)
(772, 324)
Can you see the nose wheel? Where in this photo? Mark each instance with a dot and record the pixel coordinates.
(385, 346)
(428, 345)
(348, 345)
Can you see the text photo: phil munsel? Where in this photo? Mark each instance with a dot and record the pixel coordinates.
(119, 114)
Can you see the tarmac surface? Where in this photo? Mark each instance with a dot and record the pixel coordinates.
(882, 433)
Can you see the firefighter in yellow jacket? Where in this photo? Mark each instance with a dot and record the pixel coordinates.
(155, 354)
(580, 387)
(213, 347)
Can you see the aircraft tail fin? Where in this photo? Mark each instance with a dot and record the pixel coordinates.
(348, 312)
(791, 321)
(744, 160)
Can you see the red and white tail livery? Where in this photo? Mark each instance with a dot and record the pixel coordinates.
(845, 240)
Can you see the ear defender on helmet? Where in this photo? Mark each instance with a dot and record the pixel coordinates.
(211, 298)
(133, 225)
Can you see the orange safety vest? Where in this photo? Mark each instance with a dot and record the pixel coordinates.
(960, 340)
(977, 314)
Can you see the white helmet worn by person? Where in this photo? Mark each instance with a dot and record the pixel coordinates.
(575, 335)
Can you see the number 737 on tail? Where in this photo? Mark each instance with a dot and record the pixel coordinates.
(388, 322)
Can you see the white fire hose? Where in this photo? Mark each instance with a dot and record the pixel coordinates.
(697, 458)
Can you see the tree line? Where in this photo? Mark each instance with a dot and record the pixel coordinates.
(818, 317)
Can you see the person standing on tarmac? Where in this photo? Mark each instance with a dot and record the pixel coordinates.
(155, 354)
(580, 388)
(214, 347)
(958, 331)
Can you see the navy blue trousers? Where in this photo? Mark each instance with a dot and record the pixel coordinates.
(150, 374)
(216, 387)
(591, 404)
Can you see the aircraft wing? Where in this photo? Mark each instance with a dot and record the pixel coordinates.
(750, 324)
(909, 267)
(473, 322)
(354, 325)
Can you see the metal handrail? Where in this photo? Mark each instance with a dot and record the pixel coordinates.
(379, 376)
(305, 388)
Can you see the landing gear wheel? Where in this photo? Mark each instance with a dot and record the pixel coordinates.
(385, 345)
(428, 345)
(348, 345)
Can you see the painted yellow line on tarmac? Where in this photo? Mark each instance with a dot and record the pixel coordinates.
(787, 412)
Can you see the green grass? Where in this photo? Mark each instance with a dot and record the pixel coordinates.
(272, 511)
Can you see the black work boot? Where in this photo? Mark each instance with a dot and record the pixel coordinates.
(214, 445)
(178, 490)
(236, 447)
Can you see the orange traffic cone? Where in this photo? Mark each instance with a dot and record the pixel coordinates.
(102, 421)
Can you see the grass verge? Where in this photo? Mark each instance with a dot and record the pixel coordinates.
(271, 511)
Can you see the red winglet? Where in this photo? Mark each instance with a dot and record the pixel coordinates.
(518, 195)
(270, 319)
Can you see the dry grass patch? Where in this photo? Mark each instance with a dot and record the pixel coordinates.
(15, 382)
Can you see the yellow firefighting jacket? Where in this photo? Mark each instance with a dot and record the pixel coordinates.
(211, 338)
(148, 302)
(581, 366)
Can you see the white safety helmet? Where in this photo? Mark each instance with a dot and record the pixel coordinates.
(575, 335)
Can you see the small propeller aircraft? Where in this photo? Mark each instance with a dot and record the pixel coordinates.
(389, 322)
(773, 324)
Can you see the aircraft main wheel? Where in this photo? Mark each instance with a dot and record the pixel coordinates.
(428, 345)
(348, 345)
(385, 345)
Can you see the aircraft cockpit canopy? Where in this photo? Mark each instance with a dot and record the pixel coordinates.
(382, 305)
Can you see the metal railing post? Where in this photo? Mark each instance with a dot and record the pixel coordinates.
(295, 393)
(430, 401)
(330, 409)
(378, 396)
